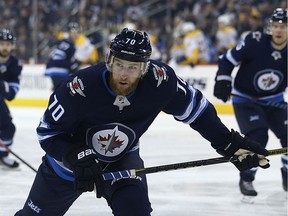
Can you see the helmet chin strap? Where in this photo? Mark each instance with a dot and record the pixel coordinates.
(109, 61)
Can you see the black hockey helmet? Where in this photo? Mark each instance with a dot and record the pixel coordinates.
(130, 45)
(279, 15)
(6, 35)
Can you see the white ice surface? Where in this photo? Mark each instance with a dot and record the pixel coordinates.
(202, 191)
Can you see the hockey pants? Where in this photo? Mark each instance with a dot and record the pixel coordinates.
(254, 121)
(52, 195)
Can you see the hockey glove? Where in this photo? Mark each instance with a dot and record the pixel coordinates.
(223, 87)
(86, 168)
(249, 154)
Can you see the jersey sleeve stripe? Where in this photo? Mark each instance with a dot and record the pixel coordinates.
(194, 109)
(231, 58)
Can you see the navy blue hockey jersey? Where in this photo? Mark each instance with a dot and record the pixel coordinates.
(10, 72)
(263, 70)
(84, 110)
(62, 61)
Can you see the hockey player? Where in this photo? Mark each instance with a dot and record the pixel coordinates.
(10, 71)
(226, 34)
(62, 62)
(86, 52)
(190, 47)
(95, 119)
(263, 75)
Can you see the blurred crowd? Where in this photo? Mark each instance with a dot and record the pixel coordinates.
(36, 23)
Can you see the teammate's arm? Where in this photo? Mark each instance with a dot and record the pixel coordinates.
(226, 64)
(9, 88)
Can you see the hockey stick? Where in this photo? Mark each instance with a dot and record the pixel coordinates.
(13, 153)
(263, 102)
(205, 162)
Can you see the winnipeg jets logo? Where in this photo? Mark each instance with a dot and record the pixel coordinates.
(268, 80)
(276, 55)
(111, 141)
(159, 74)
(76, 86)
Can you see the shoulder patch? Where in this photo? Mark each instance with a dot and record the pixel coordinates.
(257, 35)
(159, 74)
(76, 86)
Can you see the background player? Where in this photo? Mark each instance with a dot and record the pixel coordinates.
(86, 52)
(226, 34)
(263, 75)
(62, 62)
(190, 47)
(95, 119)
(10, 71)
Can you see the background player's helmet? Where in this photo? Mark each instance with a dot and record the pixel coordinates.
(187, 27)
(6, 35)
(74, 26)
(130, 45)
(279, 15)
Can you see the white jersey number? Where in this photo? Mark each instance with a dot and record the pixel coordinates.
(57, 108)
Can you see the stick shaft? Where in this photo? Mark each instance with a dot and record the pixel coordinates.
(13, 153)
(23, 161)
(263, 102)
(189, 164)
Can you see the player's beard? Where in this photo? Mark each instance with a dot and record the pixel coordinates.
(4, 53)
(123, 89)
